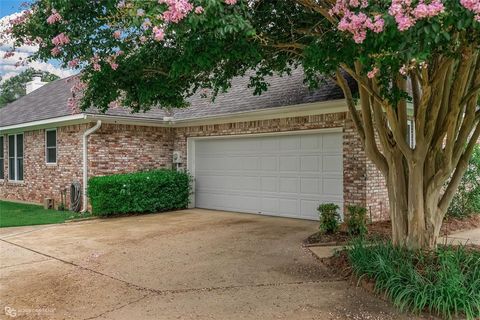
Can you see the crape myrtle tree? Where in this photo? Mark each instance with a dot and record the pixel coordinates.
(412, 60)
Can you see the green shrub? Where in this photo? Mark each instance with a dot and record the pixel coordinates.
(357, 220)
(445, 281)
(151, 191)
(467, 199)
(329, 218)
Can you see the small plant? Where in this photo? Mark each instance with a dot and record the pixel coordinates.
(329, 218)
(467, 199)
(357, 221)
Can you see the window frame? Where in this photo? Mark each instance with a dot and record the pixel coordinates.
(15, 157)
(2, 157)
(411, 134)
(47, 147)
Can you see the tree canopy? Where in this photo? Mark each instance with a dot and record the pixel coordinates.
(403, 54)
(14, 88)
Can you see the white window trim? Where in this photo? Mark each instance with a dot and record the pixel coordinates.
(56, 147)
(2, 156)
(411, 133)
(15, 157)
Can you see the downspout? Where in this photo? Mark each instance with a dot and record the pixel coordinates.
(85, 162)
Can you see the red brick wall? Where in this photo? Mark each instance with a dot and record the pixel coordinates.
(354, 159)
(112, 149)
(43, 180)
(123, 148)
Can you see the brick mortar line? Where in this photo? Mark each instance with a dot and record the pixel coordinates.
(174, 291)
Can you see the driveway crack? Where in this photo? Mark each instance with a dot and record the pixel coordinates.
(119, 307)
(174, 291)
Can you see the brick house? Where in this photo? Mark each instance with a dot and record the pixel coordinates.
(281, 153)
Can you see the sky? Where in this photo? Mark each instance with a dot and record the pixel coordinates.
(8, 9)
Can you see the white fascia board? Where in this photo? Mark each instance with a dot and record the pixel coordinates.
(306, 109)
(299, 110)
(43, 124)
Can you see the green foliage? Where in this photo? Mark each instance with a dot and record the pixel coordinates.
(357, 220)
(151, 191)
(329, 218)
(14, 88)
(467, 199)
(445, 281)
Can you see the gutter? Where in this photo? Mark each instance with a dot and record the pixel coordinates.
(85, 162)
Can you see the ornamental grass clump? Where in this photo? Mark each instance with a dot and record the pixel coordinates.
(445, 281)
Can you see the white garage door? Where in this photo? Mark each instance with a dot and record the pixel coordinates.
(280, 175)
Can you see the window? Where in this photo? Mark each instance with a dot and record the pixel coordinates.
(411, 134)
(15, 157)
(51, 145)
(2, 160)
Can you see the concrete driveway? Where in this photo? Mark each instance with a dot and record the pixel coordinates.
(191, 264)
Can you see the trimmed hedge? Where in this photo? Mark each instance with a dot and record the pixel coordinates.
(141, 192)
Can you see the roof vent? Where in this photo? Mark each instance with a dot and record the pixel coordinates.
(35, 83)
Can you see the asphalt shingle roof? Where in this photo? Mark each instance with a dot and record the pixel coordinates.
(50, 101)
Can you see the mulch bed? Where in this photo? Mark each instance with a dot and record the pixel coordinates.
(382, 230)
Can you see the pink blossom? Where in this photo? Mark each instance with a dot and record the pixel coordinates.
(117, 34)
(72, 104)
(96, 66)
(143, 39)
(114, 104)
(54, 17)
(55, 51)
(199, 10)
(403, 70)
(158, 33)
(473, 6)
(371, 74)
(121, 4)
(231, 2)
(406, 16)
(73, 63)
(8, 54)
(176, 11)
(60, 39)
(356, 23)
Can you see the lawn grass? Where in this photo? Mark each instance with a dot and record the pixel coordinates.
(14, 214)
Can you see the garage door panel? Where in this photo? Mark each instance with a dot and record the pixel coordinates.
(312, 186)
(332, 186)
(275, 175)
(331, 164)
(312, 163)
(311, 142)
(308, 209)
(332, 142)
(289, 163)
(269, 163)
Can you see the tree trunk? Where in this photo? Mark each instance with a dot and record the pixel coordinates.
(415, 216)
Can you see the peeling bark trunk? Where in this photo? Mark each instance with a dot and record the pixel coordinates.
(421, 179)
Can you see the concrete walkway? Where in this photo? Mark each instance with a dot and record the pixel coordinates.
(191, 264)
(464, 237)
